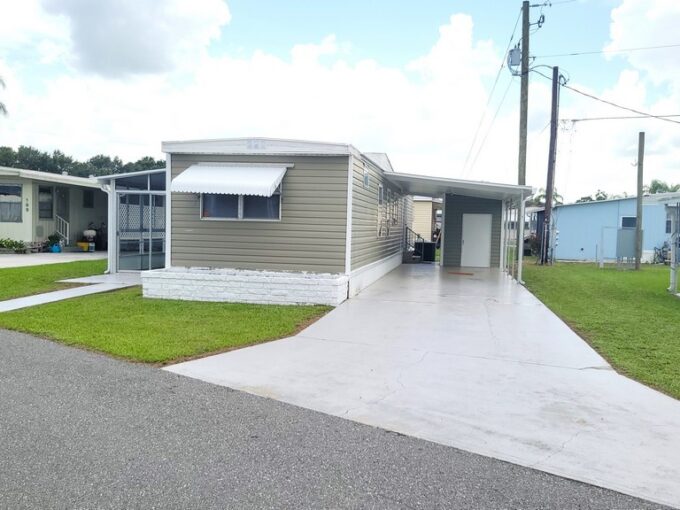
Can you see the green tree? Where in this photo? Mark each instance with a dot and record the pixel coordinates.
(538, 200)
(586, 198)
(148, 163)
(659, 186)
(61, 162)
(7, 156)
(58, 162)
(601, 195)
(33, 159)
(80, 169)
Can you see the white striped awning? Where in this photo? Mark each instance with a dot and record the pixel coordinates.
(230, 179)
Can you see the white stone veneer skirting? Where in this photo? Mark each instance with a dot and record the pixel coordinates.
(245, 286)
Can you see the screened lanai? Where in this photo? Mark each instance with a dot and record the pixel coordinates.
(137, 220)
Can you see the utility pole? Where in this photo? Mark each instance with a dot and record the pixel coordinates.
(638, 219)
(524, 97)
(552, 154)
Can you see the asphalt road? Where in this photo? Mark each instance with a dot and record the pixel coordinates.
(80, 430)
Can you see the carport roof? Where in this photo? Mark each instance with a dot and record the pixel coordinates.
(414, 184)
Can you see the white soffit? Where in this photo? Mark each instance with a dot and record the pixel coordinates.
(230, 179)
(425, 185)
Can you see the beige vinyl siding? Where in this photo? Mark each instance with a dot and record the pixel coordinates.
(422, 218)
(409, 206)
(309, 237)
(367, 247)
(456, 206)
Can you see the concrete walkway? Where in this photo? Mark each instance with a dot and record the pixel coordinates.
(475, 362)
(93, 285)
(39, 259)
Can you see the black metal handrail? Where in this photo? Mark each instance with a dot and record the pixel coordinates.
(412, 237)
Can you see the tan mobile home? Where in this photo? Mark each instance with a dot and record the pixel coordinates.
(286, 221)
(427, 216)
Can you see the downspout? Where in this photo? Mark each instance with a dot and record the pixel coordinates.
(504, 237)
(442, 233)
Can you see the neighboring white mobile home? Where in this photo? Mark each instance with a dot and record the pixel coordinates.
(35, 205)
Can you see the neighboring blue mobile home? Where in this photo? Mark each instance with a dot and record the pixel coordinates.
(585, 231)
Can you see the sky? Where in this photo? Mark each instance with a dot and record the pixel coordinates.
(412, 79)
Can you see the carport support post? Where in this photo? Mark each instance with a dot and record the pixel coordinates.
(672, 214)
(520, 239)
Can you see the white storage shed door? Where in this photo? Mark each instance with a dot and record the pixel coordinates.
(476, 241)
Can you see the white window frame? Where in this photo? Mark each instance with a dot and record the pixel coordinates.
(395, 208)
(21, 202)
(51, 216)
(381, 194)
(367, 178)
(279, 191)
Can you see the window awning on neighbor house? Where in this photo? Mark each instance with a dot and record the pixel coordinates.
(230, 179)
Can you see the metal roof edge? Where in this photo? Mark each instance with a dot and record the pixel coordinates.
(130, 174)
(38, 175)
(463, 182)
(258, 145)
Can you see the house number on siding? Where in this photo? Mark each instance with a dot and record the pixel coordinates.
(258, 145)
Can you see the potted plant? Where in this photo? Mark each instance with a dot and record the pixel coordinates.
(54, 243)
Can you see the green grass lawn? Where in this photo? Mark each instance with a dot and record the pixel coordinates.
(125, 325)
(25, 281)
(627, 316)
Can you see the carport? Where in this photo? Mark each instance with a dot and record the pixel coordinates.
(479, 220)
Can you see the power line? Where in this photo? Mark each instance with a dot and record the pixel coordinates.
(493, 88)
(644, 114)
(622, 50)
(623, 117)
(549, 3)
(481, 146)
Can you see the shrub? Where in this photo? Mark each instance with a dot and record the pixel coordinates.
(9, 244)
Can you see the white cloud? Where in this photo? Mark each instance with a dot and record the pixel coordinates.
(642, 23)
(423, 115)
(420, 115)
(116, 39)
(602, 154)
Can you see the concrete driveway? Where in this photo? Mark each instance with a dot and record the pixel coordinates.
(81, 430)
(471, 361)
